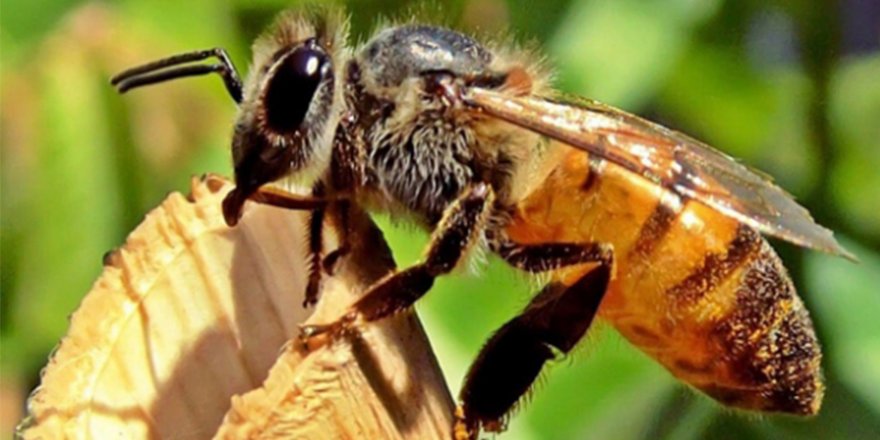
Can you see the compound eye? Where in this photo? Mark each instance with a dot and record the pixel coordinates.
(292, 87)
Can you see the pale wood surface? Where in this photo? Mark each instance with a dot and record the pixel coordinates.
(191, 332)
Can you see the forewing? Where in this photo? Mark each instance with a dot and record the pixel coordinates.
(669, 158)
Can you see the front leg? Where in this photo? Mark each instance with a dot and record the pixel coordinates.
(265, 195)
(457, 232)
(316, 251)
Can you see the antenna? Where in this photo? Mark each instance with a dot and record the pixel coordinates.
(173, 67)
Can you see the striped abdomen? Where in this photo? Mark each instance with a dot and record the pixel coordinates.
(699, 292)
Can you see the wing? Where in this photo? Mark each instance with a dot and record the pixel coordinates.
(682, 164)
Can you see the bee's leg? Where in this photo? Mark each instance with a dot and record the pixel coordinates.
(542, 257)
(316, 248)
(342, 225)
(283, 199)
(319, 263)
(234, 201)
(456, 233)
(554, 321)
(270, 196)
(346, 173)
(317, 204)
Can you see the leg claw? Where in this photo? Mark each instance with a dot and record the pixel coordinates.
(461, 429)
(312, 292)
(332, 259)
(332, 329)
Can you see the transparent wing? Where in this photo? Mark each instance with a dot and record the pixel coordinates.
(669, 158)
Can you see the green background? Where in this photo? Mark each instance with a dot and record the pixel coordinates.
(790, 86)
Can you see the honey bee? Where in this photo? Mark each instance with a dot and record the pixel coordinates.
(651, 230)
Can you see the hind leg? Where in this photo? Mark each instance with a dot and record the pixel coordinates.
(555, 320)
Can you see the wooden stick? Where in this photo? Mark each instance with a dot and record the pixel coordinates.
(383, 382)
(191, 332)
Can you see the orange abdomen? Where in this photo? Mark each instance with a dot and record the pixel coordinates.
(699, 292)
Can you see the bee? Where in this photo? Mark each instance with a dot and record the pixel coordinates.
(644, 227)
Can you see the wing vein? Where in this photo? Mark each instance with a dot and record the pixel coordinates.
(665, 157)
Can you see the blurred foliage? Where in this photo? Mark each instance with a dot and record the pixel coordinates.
(789, 86)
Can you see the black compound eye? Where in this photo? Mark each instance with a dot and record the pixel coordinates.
(292, 87)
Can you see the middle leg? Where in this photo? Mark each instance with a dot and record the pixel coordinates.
(458, 231)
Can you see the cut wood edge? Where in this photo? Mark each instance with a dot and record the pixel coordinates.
(382, 383)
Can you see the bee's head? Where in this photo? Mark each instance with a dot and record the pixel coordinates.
(290, 106)
(288, 87)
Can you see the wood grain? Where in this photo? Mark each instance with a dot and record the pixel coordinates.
(192, 331)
